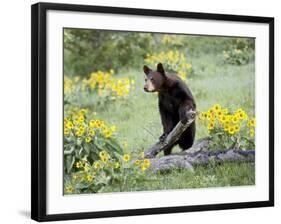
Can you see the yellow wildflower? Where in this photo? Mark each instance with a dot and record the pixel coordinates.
(231, 130)
(97, 165)
(253, 122)
(81, 119)
(239, 110)
(74, 176)
(146, 162)
(86, 167)
(66, 131)
(126, 157)
(228, 118)
(102, 154)
(91, 133)
(137, 162)
(211, 111)
(90, 178)
(217, 107)
(83, 111)
(222, 119)
(78, 164)
(82, 128)
(105, 159)
(211, 126)
(69, 125)
(113, 128)
(241, 115)
(99, 123)
(237, 128)
(226, 127)
(202, 116)
(107, 133)
(92, 123)
(69, 189)
(79, 133)
(143, 167)
(209, 115)
(219, 113)
(252, 132)
(88, 139)
(235, 119)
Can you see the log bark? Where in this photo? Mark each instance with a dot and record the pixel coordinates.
(199, 155)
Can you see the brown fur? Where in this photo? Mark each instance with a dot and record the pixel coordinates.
(174, 99)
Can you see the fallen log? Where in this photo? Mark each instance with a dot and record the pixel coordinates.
(198, 154)
(187, 160)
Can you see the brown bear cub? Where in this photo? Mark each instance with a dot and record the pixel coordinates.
(174, 99)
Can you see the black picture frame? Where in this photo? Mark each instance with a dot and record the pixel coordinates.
(39, 108)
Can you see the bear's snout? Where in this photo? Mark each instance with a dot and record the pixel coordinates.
(149, 86)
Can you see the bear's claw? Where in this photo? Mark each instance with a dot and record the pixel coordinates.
(163, 137)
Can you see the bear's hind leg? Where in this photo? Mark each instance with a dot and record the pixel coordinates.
(168, 151)
(187, 138)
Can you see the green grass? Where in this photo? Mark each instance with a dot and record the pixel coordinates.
(138, 121)
(229, 174)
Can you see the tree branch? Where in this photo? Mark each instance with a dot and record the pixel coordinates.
(172, 137)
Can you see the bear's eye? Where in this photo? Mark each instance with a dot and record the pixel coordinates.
(152, 79)
(145, 80)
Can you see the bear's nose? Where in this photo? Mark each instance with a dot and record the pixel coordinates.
(145, 88)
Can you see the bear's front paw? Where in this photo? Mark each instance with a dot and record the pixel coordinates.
(163, 137)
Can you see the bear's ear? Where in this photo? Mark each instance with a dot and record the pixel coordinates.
(160, 69)
(146, 69)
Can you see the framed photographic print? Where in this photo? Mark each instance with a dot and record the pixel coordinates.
(139, 111)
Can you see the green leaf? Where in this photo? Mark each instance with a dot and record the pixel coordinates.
(80, 151)
(87, 148)
(114, 145)
(98, 145)
(69, 161)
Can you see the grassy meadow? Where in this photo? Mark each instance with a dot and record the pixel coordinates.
(136, 121)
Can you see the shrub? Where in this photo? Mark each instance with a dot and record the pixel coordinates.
(85, 136)
(93, 177)
(86, 50)
(99, 88)
(240, 52)
(173, 61)
(226, 128)
(106, 85)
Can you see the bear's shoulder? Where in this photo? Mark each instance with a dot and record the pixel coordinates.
(177, 89)
(174, 82)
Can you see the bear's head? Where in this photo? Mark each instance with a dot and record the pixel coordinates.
(154, 79)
